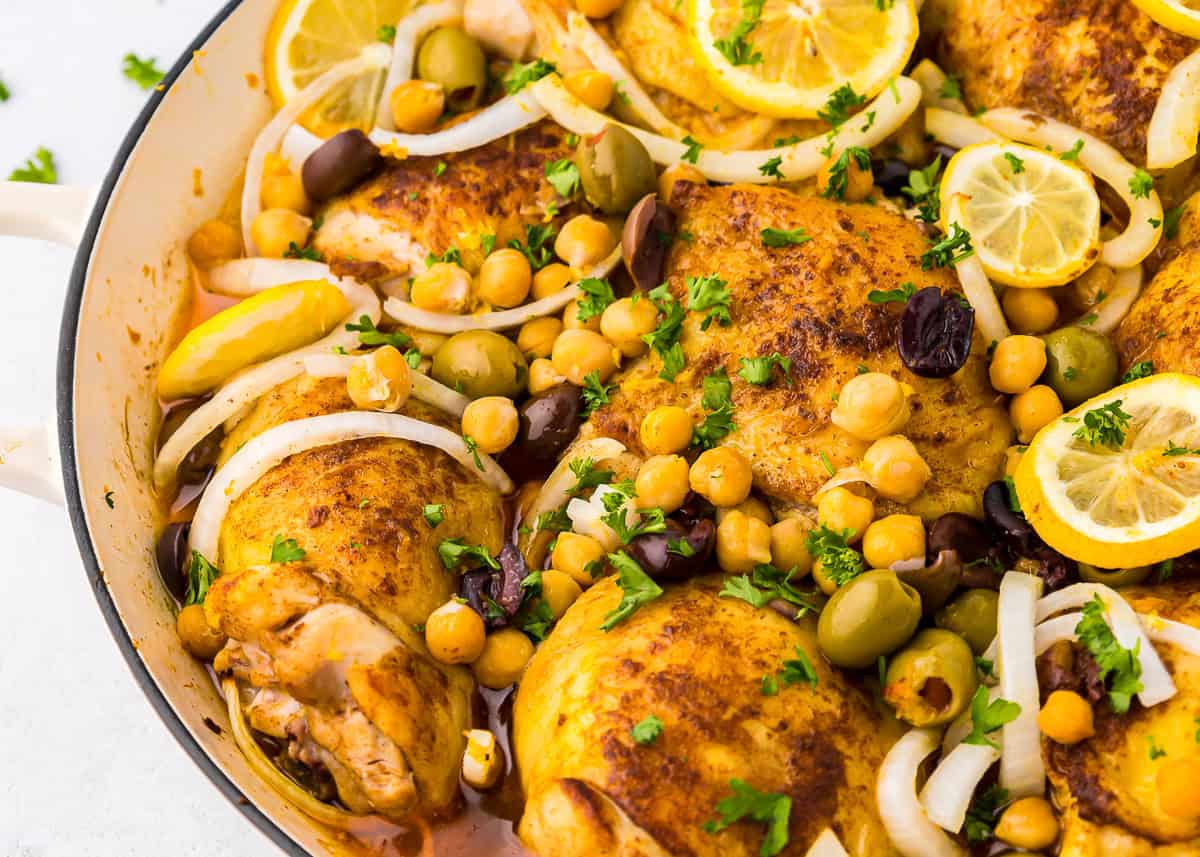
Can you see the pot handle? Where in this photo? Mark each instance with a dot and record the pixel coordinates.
(29, 451)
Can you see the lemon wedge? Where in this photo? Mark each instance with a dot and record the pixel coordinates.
(1034, 218)
(1176, 15)
(309, 37)
(1175, 125)
(271, 323)
(786, 57)
(1116, 482)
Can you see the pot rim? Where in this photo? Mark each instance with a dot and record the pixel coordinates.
(65, 402)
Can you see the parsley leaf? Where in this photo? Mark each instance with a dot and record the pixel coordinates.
(648, 730)
(1172, 450)
(201, 574)
(587, 476)
(987, 717)
(765, 584)
(784, 237)
(664, 339)
(598, 296)
(757, 370)
(523, 74)
(453, 552)
(142, 72)
(951, 250)
(839, 171)
(799, 671)
(774, 810)
(535, 249)
(1104, 426)
(770, 685)
(434, 514)
(636, 585)
(951, 88)
(709, 293)
(386, 34)
(294, 251)
(553, 521)
(839, 562)
(1141, 184)
(595, 394)
(692, 155)
(736, 49)
(39, 168)
(1072, 154)
(717, 400)
(892, 296)
(982, 813)
(1120, 669)
(922, 190)
(770, 167)
(369, 334)
(841, 101)
(1170, 222)
(1018, 166)
(616, 507)
(286, 550)
(4, 93)
(1156, 752)
(563, 176)
(1141, 369)
(535, 620)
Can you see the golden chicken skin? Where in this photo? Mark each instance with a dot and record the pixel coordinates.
(1097, 64)
(809, 302)
(598, 787)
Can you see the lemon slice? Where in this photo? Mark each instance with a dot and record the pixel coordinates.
(1171, 135)
(808, 49)
(1116, 482)
(271, 323)
(1176, 15)
(308, 37)
(1034, 218)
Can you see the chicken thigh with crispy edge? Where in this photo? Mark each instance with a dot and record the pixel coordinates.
(415, 206)
(1096, 64)
(1106, 786)
(695, 661)
(809, 302)
(331, 641)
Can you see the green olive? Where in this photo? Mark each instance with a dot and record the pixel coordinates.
(481, 363)
(1114, 576)
(452, 58)
(932, 680)
(972, 616)
(615, 169)
(1080, 364)
(872, 615)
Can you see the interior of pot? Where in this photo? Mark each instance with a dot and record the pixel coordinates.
(135, 291)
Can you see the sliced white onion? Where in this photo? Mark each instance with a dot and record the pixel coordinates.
(989, 317)
(268, 140)
(911, 831)
(844, 476)
(265, 451)
(298, 143)
(956, 130)
(242, 278)
(441, 322)
(1172, 633)
(1108, 314)
(424, 388)
(1105, 163)
(409, 31)
(587, 517)
(1021, 769)
(798, 161)
(248, 386)
(507, 116)
(930, 77)
(1171, 135)
(599, 54)
(827, 845)
(948, 792)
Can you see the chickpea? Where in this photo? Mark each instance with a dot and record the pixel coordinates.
(198, 637)
(570, 319)
(859, 181)
(443, 288)
(1017, 363)
(584, 241)
(536, 338)
(551, 279)
(416, 106)
(505, 278)
(722, 476)
(894, 539)
(483, 760)
(788, 546)
(578, 555)
(593, 88)
(1066, 718)
(277, 229)
(1030, 310)
(425, 341)
(503, 659)
(275, 164)
(1028, 823)
(666, 429)
(285, 191)
(598, 8)
(578, 353)
(751, 506)
(679, 172)
(213, 243)
(824, 582)
(1030, 411)
(871, 406)
(1178, 782)
(455, 633)
(626, 321)
(841, 509)
(542, 376)
(492, 422)
(1012, 459)
(559, 591)
(897, 470)
(380, 380)
(662, 482)
(742, 543)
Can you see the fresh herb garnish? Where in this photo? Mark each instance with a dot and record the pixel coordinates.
(798, 671)
(892, 296)
(839, 172)
(454, 552)
(4, 93)
(951, 88)
(434, 514)
(736, 48)
(535, 249)
(595, 394)
(144, 73)
(386, 34)
(773, 810)
(598, 296)
(692, 155)
(981, 815)
(636, 586)
(294, 251)
(200, 576)
(770, 685)
(840, 563)
(951, 250)
(784, 237)
(757, 370)
(648, 730)
(1156, 752)
(841, 101)
(473, 448)
(1018, 166)
(1141, 184)
(709, 293)
(1173, 450)
(369, 334)
(718, 402)
(770, 167)
(922, 190)
(1120, 670)
(286, 550)
(1141, 369)
(1104, 426)
(664, 339)
(1072, 154)
(563, 176)
(987, 717)
(523, 74)
(553, 521)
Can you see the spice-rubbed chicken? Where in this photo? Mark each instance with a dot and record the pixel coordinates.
(1096, 64)
(809, 303)
(331, 639)
(697, 663)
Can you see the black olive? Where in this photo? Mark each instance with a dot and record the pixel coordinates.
(476, 587)
(651, 553)
(1016, 532)
(507, 590)
(549, 422)
(1055, 570)
(961, 533)
(935, 333)
(645, 241)
(201, 460)
(694, 509)
(339, 164)
(891, 176)
(173, 556)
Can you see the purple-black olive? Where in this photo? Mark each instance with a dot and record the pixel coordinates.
(507, 589)
(694, 509)
(652, 554)
(173, 556)
(201, 460)
(891, 176)
(646, 240)
(962, 534)
(1055, 570)
(339, 164)
(935, 333)
(1016, 532)
(549, 422)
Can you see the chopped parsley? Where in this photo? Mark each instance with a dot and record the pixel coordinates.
(636, 586)
(369, 334)
(434, 513)
(951, 250)
(523, 74)
(1141, 184)
(200, 576)
(595, 394)
(1120, 670)
(664, 339)
(563, 176)
(987, 717)
(981, 815)
(4, 93)
(709, 293)
(922, 190)
(535, 249)
(1172, 450)
(766, 583)
(1072, 154)
(40, 168)
(799, 671)
(108, 500)
(757, 370)
(487, 243)
(718, 402)
(553, 521)
(473, 448)
(598, 295)
(294, 251)
(1104, 426)
(616, 503)
(680, 547)
(536, 620)
(770, 685)
(770, 167)
(386, 34)
(1018, 166)
(784, 237)
(587, 476)
(841, 101)
(286, 550)
(692, 155)
(454, 552)
(892, 296)
(736, 48)
(1141, 369)
(1156, 752)
(840, 563)
(647, 731)
(839, 172)
(952, 88)
(1170, 222)
(747, 802)
(142, 72)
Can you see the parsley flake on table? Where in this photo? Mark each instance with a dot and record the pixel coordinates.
(718, 402)
(987, 717)
(1104, 426)
(454, 552)
(1141, 184)
(434, 514)
(647, 731)
(737, 48)
(747, 802)
(369, 334)
(839, 171)
(784, 237)
(841, 101)
(636, 586)
(1141, 369)
(286, 550)
(142, 72)
(758, 370)
(922, 190)
(200, 576)
(892, 296)
(950, 250)
(1120, 670)
(563, 176)
(523, 74)
(839, 562)
(664, 339)
(709, 293)
(39, 168)
(598, 296)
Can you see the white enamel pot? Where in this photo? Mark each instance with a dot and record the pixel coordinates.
(127, 296)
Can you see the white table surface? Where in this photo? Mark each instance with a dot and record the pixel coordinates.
(86, 767)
